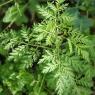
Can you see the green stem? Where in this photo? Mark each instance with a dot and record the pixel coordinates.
(87, 13)
(36, 45)
(6, 3)
(41, 84)
(18, 8)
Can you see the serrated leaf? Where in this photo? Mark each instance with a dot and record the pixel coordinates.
(49, 68)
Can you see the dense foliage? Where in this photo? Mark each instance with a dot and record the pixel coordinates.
(47, 48)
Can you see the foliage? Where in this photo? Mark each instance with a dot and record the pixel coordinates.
(54, 57)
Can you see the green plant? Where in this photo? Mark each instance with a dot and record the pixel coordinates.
(56, 56)
(72, 49)
(87, 5)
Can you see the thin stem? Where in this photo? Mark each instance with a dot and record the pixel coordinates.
(41, 84)
(39, 46)
(6, 3)
(9, 25)
(18, 8)
(87, 13)
(36, 45)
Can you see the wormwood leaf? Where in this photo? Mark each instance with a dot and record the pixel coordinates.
(52, 7)
(22, 56)
(79, 90)
(82, 44)
(9, 39)
(16, 53)
(87, 83)
(60, 85)
(39, 31)
(25, 33)
(65, 81)
(49, 40)
(44, 12)
(49, 68)
(83, 53)
(70, 46)
(68, 18)
(46, 57)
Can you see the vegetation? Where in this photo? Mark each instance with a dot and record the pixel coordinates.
(47, 48)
